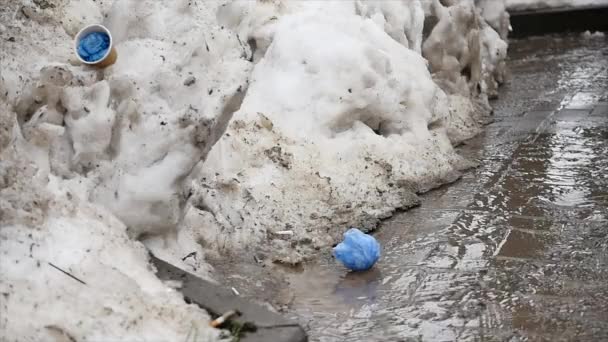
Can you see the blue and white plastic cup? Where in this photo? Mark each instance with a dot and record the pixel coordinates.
(110, 55)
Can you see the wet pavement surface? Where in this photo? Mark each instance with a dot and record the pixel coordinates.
(515, 250)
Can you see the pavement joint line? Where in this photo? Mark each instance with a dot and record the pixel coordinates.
(510, 214)
(432, 270)
(507, 164)
(556, 297)
(523, 259)
(534, 232)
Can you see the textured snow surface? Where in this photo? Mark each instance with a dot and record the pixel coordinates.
(220, 125)
(48, 229)
(342, 123)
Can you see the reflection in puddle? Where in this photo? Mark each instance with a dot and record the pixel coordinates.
(520, 244)
(359, 286)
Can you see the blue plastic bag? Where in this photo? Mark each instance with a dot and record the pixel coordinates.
(358, 251)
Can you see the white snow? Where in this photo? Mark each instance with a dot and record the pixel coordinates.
(326, 114)
(595, 34)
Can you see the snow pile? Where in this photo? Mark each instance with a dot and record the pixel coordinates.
(465, 53)
(108, 151)
(47, 231)
(343, 123)
(266, 126)
(523, 5)
(325, 136)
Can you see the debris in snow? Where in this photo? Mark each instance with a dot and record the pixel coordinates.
(190, 255)
(190, 80)
(68, 274)
(93, 46)
(223, 318)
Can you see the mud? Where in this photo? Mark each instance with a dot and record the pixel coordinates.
(515, 250)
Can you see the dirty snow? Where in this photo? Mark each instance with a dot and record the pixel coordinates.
(221, 125)
(343, 122)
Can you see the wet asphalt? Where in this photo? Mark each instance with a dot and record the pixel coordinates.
(516, 250)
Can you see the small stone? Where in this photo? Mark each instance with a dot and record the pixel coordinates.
(189, 81)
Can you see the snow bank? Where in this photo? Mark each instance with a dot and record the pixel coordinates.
(523, 5)
(324, 138)
(343, 123)
(46, 231)
(220, 125)
(109, 150)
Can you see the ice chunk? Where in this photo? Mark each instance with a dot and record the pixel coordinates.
(358, 251)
